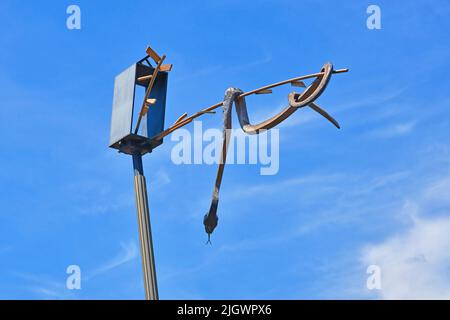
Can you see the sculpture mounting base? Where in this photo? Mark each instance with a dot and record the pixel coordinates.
(136, 144)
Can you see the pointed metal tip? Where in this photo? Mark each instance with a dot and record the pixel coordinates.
(341, 70)
(324, 114)
(336, 124)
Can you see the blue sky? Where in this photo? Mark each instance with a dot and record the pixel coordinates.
(375, 192)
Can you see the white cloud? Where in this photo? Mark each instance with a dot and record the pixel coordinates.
(415, 263)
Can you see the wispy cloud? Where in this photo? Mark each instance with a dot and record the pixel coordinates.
(398, 129)
(128, 252)
(338, 108)
(159, 179)
(438, 192)
(374, 99)
(45, 288)
(95, 196)
(349, 202)
(258, 62)
(284, 185)
(208, 70)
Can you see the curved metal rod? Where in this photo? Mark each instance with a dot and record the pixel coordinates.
(314, 90)
(296, 101)
(186, 120)
(236, 96)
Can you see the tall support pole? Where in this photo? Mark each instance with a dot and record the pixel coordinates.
(145, 232)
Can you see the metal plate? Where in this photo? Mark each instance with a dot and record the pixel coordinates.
(122, 112)
(153, 121)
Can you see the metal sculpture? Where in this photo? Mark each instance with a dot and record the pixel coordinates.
(140, 140)
(295, 101)
(152, 114)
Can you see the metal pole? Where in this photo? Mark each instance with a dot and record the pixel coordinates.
(145, 233)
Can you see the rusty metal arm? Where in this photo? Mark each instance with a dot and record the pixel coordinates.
(184, 119)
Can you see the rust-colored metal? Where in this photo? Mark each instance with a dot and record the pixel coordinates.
(237, 97)
(145, 78)
(184, 115)
(294, 99)
(267, 91)
(298, 84)
(145, 104)
(152, 54)
(166, 67)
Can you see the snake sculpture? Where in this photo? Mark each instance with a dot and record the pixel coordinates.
(233, 95)
(237, 96)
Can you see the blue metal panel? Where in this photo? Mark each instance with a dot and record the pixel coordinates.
(122, 114)
(153, 122)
